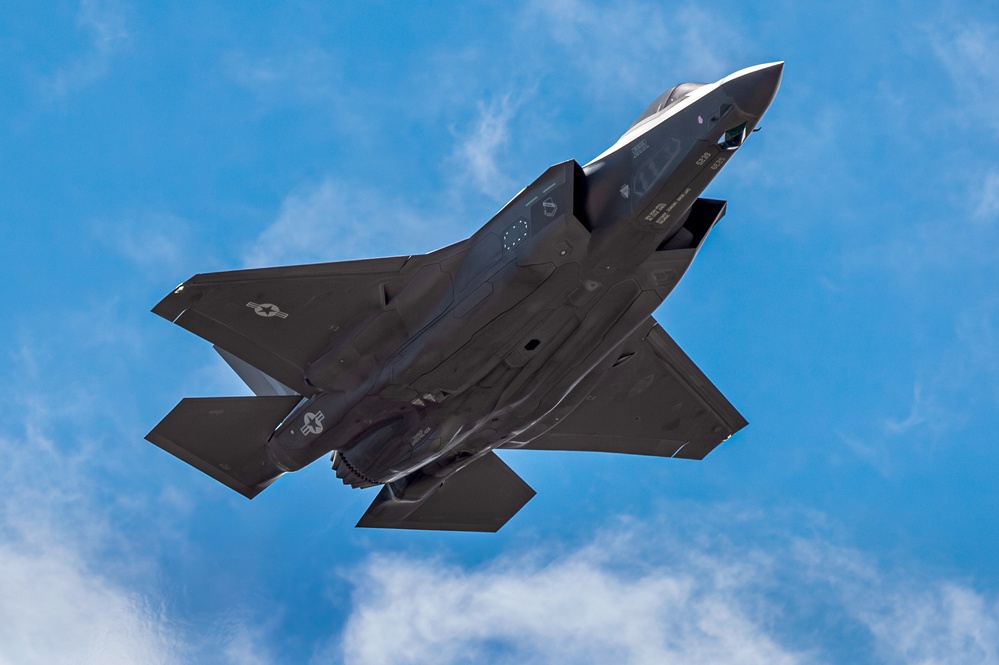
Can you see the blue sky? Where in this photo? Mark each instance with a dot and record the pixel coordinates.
(846, 305)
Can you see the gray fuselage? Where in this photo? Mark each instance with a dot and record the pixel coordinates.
(528, 311)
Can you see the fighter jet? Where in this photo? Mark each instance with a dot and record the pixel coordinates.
(535, 333)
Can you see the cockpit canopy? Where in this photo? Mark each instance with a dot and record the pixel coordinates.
(667, 99)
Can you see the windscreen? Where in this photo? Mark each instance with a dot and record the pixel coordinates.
(667, 99)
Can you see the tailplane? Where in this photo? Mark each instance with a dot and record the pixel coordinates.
(481, 497)
(226, 437)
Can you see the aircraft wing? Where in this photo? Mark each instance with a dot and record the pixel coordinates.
(654, 401)
(279, 319)
(481, 497)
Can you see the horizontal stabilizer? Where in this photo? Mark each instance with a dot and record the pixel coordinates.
(481, 497)
(226, 437)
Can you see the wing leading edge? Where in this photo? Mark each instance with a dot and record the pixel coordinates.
(279, 319)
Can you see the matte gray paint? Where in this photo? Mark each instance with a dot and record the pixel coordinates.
(535, 333)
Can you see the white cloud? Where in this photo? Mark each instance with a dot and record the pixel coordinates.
(243, 643)
(73, 585)
(580, 609)
(310, 227)
(479, 153)
(309, 74)
(666, 594)
(960, 234)
(917, 414)
(54, 606)
(161, 245)
(910, 619)
(103, 21)
(987, 208)
(939, 624)
(969, 50)
(628, 46)
(873, 450)
(304, 76)
(335, 221)
(958, 381)
(54, 610)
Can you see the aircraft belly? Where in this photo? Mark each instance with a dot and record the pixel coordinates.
(535, 332)
(569, 355)
(523, 362)
(524, 342)
(481, 337)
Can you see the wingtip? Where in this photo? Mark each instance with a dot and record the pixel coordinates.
(173, 304)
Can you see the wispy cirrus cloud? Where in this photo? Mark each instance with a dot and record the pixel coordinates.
(880, 443)
(919, 414)
(590, 55)
(938, 623)
(987, 203)
(302, 74)
(314, 224)
(968, 48)
(629, 46)
(336, 220)
(908, 615)
(591, 51)
(159, 244)
(955, 231)
(481, 151)
(104, 24)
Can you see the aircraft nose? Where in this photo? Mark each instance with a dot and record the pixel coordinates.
(754, 88)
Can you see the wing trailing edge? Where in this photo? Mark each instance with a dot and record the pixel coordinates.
(653, 401)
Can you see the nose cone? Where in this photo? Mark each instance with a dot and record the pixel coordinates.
(754, 88)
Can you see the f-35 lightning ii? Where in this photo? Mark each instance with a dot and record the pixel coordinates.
(534, 333)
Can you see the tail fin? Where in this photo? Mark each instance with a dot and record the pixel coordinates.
(226, 437)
